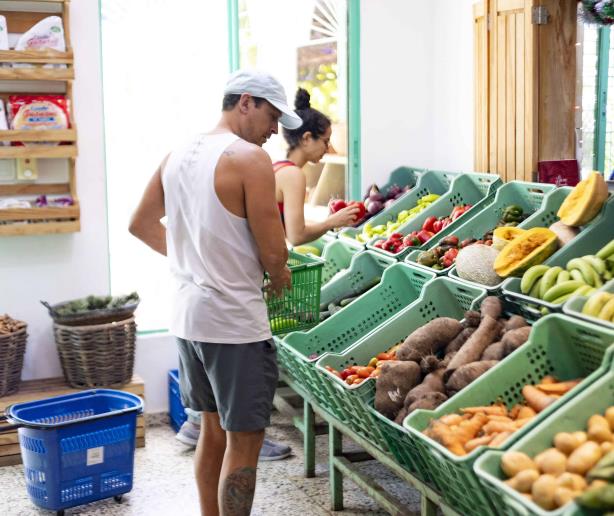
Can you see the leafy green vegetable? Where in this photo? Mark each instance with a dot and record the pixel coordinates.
(97, 303)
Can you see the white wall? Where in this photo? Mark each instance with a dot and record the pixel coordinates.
(416, 86)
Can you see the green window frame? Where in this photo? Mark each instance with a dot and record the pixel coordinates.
(353, 169)
(601, 103)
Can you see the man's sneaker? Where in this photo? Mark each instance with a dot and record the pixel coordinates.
(188, 434)
(274, 451)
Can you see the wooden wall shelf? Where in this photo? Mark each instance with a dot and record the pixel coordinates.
(64, 135)
(39, 151)
(34, 189)
(37, 74)
(63, 212)
(36, 56)
(42, 228)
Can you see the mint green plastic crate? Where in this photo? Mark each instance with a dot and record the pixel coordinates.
(529, 196)
(571, 417)
(544, 217)
(299, 307)
(337, 255)
(400, 286)
(466, 188)
(573, 307)
(559, 345)
(441, 297)
(428, 183)
(319, 243)
(365, 267)
(591, 239)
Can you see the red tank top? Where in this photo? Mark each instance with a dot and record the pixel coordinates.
(278, 165)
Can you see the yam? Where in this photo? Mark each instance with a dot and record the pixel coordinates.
(513, 339)
(466, 374)
(491, 306)
(430, 401)
(393, 384)
(515, 322)
(476, 344)
(472, 319)
(458, 341)
(401, 416)
(429, 339)
(429, 364)
(494, 352)
(432, 383)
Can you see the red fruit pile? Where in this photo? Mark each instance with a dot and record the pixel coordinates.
(335, 205)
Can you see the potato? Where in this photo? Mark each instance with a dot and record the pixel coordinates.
(596, 484)
(599, 429)
(523, 481)
(551, 461)
(607, 447)
(513, 462)
(584, 458)
(571, 481)
(563, 495)
(566, 442)
(609, 415)
(543, 492)
(581, 436)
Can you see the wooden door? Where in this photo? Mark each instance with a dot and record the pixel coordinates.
(480, 41)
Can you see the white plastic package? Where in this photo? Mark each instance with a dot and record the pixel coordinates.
(47, 34)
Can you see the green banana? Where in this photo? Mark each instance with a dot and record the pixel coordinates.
(567, 287)
(563, 276)
(534, 292)
(599, 498)
(607, 312)
(531, 276)
(584, 268)
(576, 275)
(607, 275)
(586, 290)
(596, 263)
(595, 303)
(562, 299)
(604, 469)
(606, 251)
(549, 280)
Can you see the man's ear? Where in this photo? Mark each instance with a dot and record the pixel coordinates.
(244, 102)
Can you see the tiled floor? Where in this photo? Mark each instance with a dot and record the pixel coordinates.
(164, 483)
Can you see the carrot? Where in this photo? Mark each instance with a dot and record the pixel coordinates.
(478, 441)
(504, 419)
(496, 427)
(536, 399)
(516, 410)
(519, 423)
(525, 412)
(492, 410)
(467, 430)
(499, 439)
(451, 419)
(443, 435)
(548, 379)
(558, 388)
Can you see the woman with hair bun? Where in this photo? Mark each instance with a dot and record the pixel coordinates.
(306, 144)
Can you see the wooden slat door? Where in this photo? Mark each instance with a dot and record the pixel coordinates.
(480, 41)
(513, 90)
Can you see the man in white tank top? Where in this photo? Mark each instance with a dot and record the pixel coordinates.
(224, 231)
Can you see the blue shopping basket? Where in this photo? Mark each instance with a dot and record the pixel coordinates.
(77, 448)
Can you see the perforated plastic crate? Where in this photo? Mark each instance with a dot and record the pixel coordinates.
(598, 233)
(574, 307)
(560, 346)
(77, 448)
(466, 188)
(571, 417)
(529, 196)
(298, 352)
(338, 256)
(441, 297)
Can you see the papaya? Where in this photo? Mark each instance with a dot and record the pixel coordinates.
(585, 201)
(531, 248)
(504, 235)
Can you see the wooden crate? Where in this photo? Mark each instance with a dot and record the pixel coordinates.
(38, 389)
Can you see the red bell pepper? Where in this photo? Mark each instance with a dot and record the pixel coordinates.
(425, 236)
(437, 226)
(428, 223)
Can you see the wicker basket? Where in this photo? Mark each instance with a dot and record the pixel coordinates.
(12, 350)
(97, 356)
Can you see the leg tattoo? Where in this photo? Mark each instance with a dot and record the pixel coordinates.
(238, 492)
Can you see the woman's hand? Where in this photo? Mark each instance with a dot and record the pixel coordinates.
(344, 217)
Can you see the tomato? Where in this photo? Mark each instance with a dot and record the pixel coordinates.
(365, 372)
(345, 373)
(395, 236)
(383, 356)
(357, 381)
(350, 379)
(334, 205)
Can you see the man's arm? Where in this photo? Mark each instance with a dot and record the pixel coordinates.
(264, 219)
(145, 221)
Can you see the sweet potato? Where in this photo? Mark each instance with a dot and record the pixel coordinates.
(513, 339)
(429, 339)
(458, 341)
(472, 319)
(401, 416)
(429, 364)
(491, 306)
(514, 322)
(465, 374)
(432, 383)
(393, 384)
(430, 401)
(494, 352)
(476, 344)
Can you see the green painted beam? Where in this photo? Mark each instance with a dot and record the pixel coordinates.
(353, 169)
(233, 35)
(603, 62)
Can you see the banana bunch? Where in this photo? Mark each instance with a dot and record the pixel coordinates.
(582, 276)
(600, 305)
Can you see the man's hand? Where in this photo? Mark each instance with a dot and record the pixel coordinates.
(280, 281)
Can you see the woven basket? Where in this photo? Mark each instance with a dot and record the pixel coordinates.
(12, 350)
(97, 356)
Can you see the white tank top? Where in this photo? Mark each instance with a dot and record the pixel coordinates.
(212, 252)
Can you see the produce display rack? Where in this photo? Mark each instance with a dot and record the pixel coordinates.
(20, 17)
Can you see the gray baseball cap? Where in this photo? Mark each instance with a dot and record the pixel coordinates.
(263, 85)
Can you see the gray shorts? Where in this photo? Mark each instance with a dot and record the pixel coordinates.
(236, 380)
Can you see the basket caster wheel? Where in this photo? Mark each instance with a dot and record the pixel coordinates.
(119, 498)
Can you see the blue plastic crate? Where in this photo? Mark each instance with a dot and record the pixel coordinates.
(77, 448)
(176, 410)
